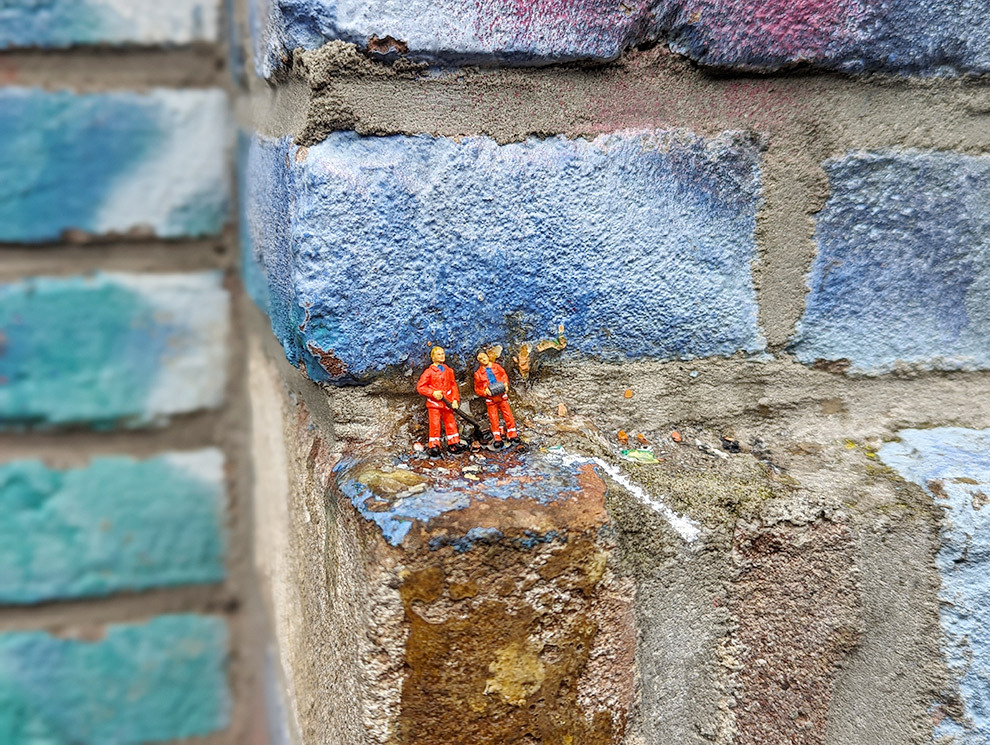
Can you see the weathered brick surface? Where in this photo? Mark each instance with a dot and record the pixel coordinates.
(902, 274)
(927, 37)
(133, 163)
(449, 602)
(640, 244)
(63, 23)
(795, 606)
(117, 524)
(164, 679)
(953, 465)
(112, 349)
(906, 37)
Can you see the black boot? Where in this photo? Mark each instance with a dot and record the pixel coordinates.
(433, 452)
(457, 447)
(496, 445)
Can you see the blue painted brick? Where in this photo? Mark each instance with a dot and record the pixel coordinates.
(953, 465)
(162, 680)
(117, 524)
(924, 37)
(112, 349)
(902, 275)
(904, 37)
(112, 163)
(63, 23)
(639, 243)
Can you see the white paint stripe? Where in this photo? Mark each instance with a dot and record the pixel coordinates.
(685, 527)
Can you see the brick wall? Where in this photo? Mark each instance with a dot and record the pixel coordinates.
(121, 551)
(763, 222)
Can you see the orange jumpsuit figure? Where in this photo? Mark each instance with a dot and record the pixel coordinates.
(437, 383)
(491, 375)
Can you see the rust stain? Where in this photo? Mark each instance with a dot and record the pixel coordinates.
(832, 366)
(499, 667)
(328, 360)
(386, 44)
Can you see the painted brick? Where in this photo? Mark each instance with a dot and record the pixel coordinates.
(508, 31)
(376, 247)
(165, 679)
(117, 524)
(953, 465)
(111, 349)
(112, 163)
(907, 37)
(902, 275)
(64, 23)
(929, 37)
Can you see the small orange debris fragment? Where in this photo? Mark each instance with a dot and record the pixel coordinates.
(675, 436)
(642, 440)
(629, 392)
(561, 410)
(623, 438)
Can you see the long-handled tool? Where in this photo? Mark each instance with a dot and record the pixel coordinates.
(478, 433)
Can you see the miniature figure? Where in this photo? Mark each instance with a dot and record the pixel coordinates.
(491, 382)
(437, 384)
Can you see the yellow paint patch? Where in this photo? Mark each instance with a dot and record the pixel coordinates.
(517, 673)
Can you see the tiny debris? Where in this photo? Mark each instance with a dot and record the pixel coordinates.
(730, 445)
(628, 393)
(418, 447)
(709, 450)
(623, 438)
(676, 436)
(561, 410)
(641, 439)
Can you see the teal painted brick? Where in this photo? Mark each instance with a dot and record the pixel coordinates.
(118, 524)
(112, 163)
(63, 23)
(111, 349)
(162, 680)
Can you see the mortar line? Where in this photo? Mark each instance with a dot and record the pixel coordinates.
(101, 70)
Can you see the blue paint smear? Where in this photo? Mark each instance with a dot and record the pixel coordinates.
(532, 478)
(639, 244)
(117, 524)
(162, 680)
(61, 154)
(902, 273)
(947, 456)
(78, 350)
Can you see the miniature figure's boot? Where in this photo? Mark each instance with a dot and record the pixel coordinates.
(433, 452)
(457, 447)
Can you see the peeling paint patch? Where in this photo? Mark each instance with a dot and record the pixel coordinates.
(162, 680)
(112, 163)
(953, 465)
(111, 349)
(117, 524)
